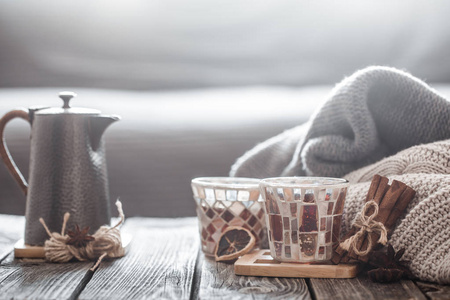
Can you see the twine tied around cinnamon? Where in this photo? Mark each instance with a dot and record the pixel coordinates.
(107, 243)
(366, 224)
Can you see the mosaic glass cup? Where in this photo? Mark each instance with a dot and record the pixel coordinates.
(227, 201)
(303, 216)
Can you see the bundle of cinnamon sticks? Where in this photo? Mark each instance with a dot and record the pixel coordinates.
(392, 201)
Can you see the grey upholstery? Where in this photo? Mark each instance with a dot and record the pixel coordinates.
(164, 139)
(160, 44)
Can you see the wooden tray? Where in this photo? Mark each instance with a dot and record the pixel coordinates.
(260, 263)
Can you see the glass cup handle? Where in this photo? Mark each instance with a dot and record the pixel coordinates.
(4, 152)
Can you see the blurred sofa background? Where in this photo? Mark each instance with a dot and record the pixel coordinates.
(198, 83)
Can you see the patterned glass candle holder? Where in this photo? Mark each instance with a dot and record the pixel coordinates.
(303, 216)
(227, 201)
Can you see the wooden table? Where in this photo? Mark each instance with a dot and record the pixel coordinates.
(164, 262)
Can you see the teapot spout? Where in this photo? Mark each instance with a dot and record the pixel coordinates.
(97, 126)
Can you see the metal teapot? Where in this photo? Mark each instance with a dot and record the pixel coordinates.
(67, 168)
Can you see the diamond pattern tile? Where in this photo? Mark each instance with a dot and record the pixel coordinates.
(210, 213)
(216, 211)
(245, 214)
(236, 208)
(219, 207)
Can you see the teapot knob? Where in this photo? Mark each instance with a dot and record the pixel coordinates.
(66, 96)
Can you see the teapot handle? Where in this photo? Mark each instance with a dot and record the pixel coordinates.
(4, 152)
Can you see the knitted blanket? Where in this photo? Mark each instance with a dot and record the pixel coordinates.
(424, 230)
(360, 131)
(374, 113)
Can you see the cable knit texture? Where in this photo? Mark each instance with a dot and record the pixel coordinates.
(378, 121)
(424, 230)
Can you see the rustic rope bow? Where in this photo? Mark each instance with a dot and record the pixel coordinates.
(107, 243)
(366, 224)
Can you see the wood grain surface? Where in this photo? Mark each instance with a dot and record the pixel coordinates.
(164, 262)
(363, 288)
(218, 281)
(25, 279)
(159, 265)
(36, 279)
(434, 291)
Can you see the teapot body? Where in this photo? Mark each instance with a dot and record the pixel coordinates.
(66, 174)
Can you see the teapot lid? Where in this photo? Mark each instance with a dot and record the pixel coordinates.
(66, 109)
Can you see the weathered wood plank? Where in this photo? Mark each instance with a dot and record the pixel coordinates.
(11, 230)
(434, 291)
(160, 263)
(363, 288)
(36, 279)
(24, 279)
(218, 281)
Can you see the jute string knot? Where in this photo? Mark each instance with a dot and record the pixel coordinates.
(366, 224)
(107, 243)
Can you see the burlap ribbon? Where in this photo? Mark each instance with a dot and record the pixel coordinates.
(366, 224)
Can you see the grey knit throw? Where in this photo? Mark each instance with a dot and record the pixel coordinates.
(372, 114)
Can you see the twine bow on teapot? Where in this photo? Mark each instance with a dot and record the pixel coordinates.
(105, 242)
(366, 224)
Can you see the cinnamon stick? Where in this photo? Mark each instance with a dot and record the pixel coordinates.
(377, 180)
(382, 189)
(385, 208)
(346, 259)
(373, 187)
(399, 207)
(389, 200)
(392, 200)
(336, 258)
(350, 233)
